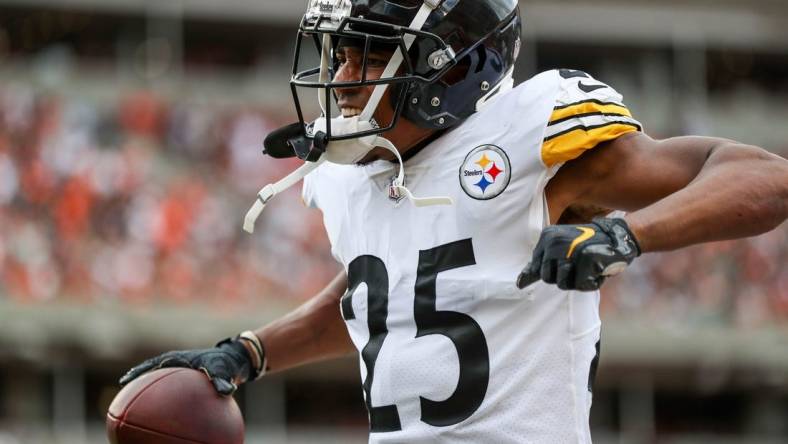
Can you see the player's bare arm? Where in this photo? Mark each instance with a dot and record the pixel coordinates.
(680, 191)
(311, 333)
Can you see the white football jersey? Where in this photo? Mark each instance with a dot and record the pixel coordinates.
(451, 351)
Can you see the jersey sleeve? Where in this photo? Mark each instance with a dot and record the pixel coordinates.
(587, 112)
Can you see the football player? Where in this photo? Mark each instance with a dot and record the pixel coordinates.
(469, 217)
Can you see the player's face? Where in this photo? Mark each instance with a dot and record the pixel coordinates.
(352, 101)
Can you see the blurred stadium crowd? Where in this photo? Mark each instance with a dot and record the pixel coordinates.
(140, 201)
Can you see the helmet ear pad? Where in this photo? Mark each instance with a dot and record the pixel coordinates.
(454, 97)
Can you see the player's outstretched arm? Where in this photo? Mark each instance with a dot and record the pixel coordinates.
(740, 191)
(685, 190)
(679, 192)
(313, 332)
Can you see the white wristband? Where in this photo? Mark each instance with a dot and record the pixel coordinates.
(257, 346)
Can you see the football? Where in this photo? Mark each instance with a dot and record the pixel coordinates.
(173, 405)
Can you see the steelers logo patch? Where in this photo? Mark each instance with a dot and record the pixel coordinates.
(485, 173)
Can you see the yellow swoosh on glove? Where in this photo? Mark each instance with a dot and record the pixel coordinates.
(587, 233)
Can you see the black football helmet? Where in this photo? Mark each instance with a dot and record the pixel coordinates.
(476, 41)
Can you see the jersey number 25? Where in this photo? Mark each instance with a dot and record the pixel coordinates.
(462, 329)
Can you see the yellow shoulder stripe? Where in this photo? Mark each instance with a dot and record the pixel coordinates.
(588, 107)
(572, 144)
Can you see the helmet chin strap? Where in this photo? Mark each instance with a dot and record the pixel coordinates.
(346, 152)
(351, 151)
(342, 152)
(399, 182)
(269, 191)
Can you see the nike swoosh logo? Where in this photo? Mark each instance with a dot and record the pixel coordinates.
(586, 234)
(589, 88)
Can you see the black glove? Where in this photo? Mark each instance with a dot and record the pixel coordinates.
(580, 257)
(226, 364)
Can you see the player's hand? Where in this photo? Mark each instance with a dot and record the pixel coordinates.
(227, 365)
(580, 257)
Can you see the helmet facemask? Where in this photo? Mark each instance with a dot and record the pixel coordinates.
(323, 28)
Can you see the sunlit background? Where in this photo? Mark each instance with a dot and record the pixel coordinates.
(130, 148)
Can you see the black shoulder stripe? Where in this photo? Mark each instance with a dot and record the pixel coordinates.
(597, 101)
(572, 73)
(596, 113)
(592, 127)
(589, 88)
